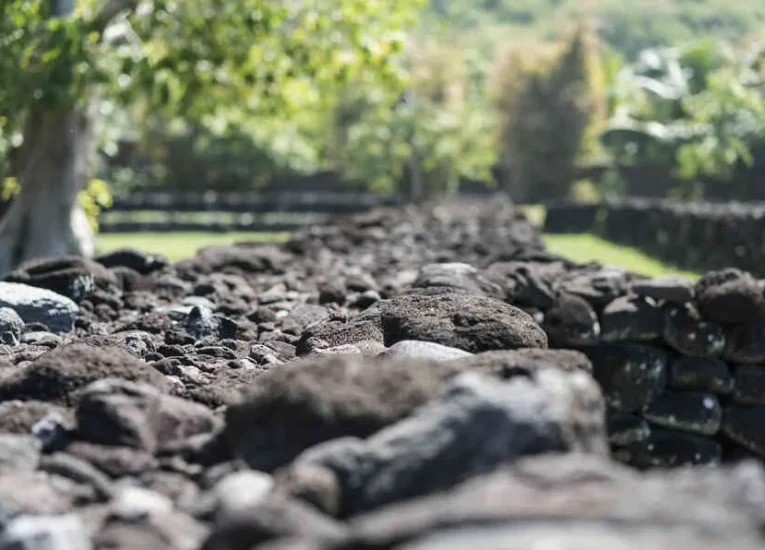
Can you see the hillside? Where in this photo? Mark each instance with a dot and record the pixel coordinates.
(626, 26)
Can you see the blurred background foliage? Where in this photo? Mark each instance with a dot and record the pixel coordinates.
(505, 92)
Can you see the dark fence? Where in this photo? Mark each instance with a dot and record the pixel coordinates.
(282, 206)
(691, 235)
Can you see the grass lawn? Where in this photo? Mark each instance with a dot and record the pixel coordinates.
(586, 248)
(180, 245)
(579, 248)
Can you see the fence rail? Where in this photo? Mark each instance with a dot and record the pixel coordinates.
(269, 210)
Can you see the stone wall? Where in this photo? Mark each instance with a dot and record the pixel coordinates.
(691, 235)
(681, 365)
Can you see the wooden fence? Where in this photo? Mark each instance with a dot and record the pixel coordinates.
(251, 211)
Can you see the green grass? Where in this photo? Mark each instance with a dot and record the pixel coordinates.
(586, 248)
(180, 245)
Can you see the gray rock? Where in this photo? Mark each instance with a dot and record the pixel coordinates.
(428, 351)
(295, 406)
(456, 276)
(473, 427)
(62, 373)
(571, 322)
(668, 288)
(524, 362)
(469, 322)
(237, 491)
(45, 533)
(729, 296)
(26, 492)
(329, 334)
(19, 452)
(134, 503)
(11, 327)
(631, 318)
(586, 497)
(201, 323)
(118, 412)
(38, 305)
(41, 338)
(349, 350)
(273, 519)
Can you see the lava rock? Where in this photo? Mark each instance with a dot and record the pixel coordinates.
(428, 351)
(625, 429)
(576, 502)
(276, 518)
(505, 364)
(749, 385)
(19, 452)
(746, 343)
(65, 532)
(729, 296)
(458, 277)
(671, 449)
(630, 374)
(631, 318)
(666, 288)
(300, 404)
(38, 305)
(133, 259)
(331, 334)
(118, 412)
(571, 322)
(11, 326)
(743, 424)
(474, 426)
(598, 287)
(688, 411)
(704, 375)
(465, 321)
(687, 333)
(60, 374)
(71, 276)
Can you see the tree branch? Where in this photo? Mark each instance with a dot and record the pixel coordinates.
(111, 10)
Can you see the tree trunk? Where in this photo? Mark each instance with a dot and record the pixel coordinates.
(44, 219)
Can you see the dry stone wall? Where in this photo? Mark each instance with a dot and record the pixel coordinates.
(692, 235)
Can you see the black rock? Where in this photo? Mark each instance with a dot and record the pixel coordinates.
(730, 296)
(704, 375)
(687, 411)
(749, 385)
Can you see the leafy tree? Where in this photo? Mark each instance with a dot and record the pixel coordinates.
(211, 61)
(423, 142)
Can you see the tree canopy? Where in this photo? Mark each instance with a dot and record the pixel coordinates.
(204, 59)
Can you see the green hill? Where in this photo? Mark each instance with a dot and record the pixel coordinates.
(627, 26)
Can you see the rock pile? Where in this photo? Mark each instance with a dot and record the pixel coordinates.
(411, 379)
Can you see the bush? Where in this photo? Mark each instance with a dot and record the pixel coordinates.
(422, 143)
(549, 101)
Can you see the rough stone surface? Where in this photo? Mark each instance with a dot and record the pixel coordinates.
(38, 305)
(468, 322)
(730, 296)
(476, 425)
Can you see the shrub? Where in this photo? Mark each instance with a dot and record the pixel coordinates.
(422, 143)
(549, 101)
